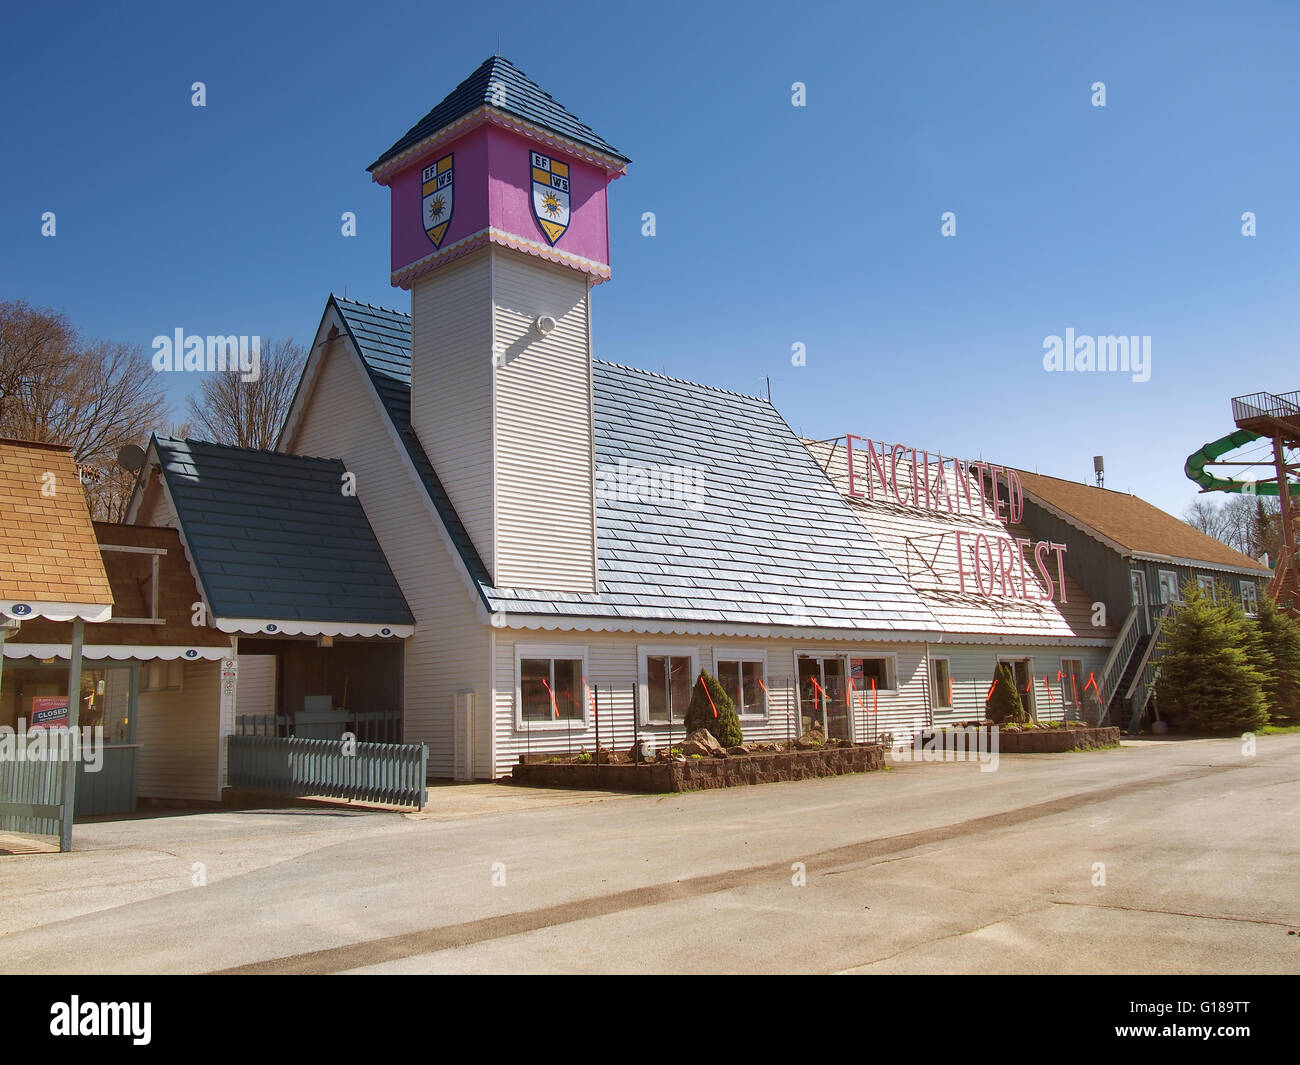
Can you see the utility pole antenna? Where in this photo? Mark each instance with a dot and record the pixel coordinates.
(768, 378)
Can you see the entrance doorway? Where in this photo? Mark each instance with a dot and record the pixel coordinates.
(822, 697)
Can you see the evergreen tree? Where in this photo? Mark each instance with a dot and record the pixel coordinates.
(699, 713)
(1280, 634)
(1207, 677)
(1004, 705)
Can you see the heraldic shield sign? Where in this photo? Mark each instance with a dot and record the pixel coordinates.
(550, 195)
(437, 182)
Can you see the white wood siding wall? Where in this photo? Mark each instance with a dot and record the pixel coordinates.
(179, 735)
(545, 476)
(613, 661)
(450, 649)
(255, 686)
(451, 386)
(972, 667)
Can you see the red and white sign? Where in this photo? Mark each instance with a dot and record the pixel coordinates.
(987, 563)
(48, 711)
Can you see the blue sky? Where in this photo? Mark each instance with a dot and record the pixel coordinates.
(776, 225)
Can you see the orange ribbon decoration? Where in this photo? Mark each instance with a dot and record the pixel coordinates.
(554, 706)
(707, 693)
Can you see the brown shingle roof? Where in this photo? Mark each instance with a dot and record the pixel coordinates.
(1133, 523)
(48, 551)
(130, 574)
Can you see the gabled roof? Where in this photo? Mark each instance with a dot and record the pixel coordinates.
(773, 544)
(498, 83)
(923, 546)
(49, 561)
(274, 537)
(130, 574)
(1133, 524)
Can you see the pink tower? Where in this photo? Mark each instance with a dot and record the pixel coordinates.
(500, 229)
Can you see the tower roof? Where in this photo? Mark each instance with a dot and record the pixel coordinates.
(499, 84)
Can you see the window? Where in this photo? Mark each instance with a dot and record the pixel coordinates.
(552, 685)
(667, 675)
(741, 677)
(162, 676)
(940, 684)
(1071, 682)
(1168, 586)
(1137, 587)
(1206, 584)
(1249, 597)
(865, 671)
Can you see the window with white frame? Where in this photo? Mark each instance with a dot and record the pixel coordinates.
(1249, 597)
(1206, 584)
(667, 675)
(940, 684)
(872, 674)
(551, 684)
(1071, 682)
(1168, 586)
(742, 676)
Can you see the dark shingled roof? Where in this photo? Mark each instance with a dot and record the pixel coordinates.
(773, 544)
(521, 96)
(273, 536)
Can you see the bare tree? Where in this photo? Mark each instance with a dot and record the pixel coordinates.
(1244, 522)
(94, 397)
(30, 337)
(249, 413)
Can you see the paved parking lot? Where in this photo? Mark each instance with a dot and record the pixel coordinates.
(1160, 857)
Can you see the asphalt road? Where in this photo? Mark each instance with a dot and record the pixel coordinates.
(1162, 857)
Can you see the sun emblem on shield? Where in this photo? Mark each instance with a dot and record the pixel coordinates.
(437, 182)
(550, 195)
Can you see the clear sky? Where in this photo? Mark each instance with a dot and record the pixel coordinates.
(776, 224)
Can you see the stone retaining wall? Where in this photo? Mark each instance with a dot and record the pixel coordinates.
(761, 767)
(1056, 740)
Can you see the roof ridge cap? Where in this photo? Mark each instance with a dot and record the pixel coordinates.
(680, 380)
(253, 450)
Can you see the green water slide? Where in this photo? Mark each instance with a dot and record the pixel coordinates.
(1198, 460)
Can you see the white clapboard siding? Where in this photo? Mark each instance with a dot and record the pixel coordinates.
(449, 651)
(972, 667)
(451, 386)
(545, 479)
(613, 664)
(255, 685)
(179, 737)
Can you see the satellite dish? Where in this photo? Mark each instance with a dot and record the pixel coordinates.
(131, 457)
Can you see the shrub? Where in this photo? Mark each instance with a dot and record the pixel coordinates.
(699, 714)
(1208, 676)
(1003, 706)
(1280, 635)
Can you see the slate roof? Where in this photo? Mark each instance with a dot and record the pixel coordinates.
(922, 545)
(48, 551)
(773, 544)
(273, 537)
(523, 97)
(1133, 523)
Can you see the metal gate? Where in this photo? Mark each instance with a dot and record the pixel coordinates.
(392, 773)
